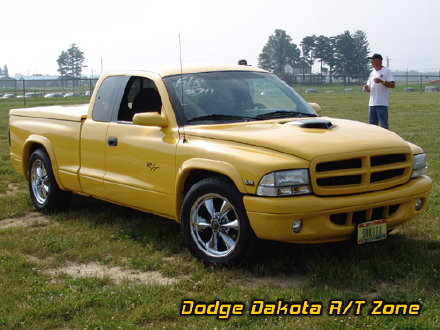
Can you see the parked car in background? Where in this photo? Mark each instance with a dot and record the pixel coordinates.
(52, 95)
(32, 94)
(71, 94)
(430, 89)
(8, 96)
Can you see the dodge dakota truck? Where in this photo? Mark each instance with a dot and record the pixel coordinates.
(232, 153)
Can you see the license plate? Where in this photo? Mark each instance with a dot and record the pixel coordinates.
(371, 231)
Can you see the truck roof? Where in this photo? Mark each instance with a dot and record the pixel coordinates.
(172, 70)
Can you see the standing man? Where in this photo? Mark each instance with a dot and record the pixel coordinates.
(378, 85)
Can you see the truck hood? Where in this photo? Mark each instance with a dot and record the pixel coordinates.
(304, 140)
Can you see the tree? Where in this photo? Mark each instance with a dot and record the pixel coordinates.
(70, 62)
(361, 52)
(278, 52)
(308, 47)
(5, 71)
(324, 51)
(345, 55)
(351, 54)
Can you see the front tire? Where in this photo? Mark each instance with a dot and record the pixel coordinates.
(214, 223)
(45, 193)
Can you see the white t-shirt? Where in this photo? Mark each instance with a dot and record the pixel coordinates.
(379, 94)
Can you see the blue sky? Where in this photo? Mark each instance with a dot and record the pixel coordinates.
(145, 32)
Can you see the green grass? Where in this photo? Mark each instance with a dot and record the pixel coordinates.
(403, 268)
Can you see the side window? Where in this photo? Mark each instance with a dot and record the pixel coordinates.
(106, 98)
(140, 95)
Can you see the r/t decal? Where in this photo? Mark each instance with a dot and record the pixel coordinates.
(152, 167)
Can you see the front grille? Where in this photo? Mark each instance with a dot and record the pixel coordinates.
(340, 180)
(339, 165)
(387, 159)
(371, 172)
(354, 218)
(385, 175)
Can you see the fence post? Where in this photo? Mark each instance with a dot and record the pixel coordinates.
(24, 93)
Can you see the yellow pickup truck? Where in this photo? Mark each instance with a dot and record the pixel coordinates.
(232, 153)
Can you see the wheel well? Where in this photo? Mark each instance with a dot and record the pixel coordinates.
(36, 146)
(194, 177)
(27, 154)
(197, 175)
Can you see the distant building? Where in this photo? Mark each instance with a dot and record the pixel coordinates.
(298, 70)
(40, 77)
(7, 81)
(301, 73)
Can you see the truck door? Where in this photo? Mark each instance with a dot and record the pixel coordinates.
(140, 160)
(94, 136)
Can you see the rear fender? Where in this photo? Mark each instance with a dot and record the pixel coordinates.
(34, 142)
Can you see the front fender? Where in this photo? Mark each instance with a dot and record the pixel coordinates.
(209, 165)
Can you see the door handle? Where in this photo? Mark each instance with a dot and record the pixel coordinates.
(112, 141)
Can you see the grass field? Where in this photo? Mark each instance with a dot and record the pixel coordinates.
(101, 266)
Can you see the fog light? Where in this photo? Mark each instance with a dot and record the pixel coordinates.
(419, 204)
(297, 225)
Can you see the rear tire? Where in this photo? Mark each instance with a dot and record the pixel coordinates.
(45, 193)
(214, 223)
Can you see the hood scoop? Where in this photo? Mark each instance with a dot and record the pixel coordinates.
(314, 123)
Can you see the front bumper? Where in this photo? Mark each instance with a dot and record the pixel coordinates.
(331, 219)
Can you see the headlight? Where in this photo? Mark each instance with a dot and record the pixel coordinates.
(420, 165)
(285, 183)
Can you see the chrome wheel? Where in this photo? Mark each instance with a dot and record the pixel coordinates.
(214, 225)
(40, 182)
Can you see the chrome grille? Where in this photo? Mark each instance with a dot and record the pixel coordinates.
(339, 176)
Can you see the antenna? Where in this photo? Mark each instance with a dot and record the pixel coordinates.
(181, 90)
(180, 54)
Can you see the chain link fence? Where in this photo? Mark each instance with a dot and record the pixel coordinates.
(404, 83)
(31, 89)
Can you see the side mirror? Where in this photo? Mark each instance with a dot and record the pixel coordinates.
(150, 119)
(316, 107)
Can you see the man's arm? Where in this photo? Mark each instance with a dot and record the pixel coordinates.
(389, 84)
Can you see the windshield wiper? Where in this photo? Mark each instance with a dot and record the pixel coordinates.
(219, 117)
(283, 114)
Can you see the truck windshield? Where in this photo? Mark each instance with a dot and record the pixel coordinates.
(231, 96)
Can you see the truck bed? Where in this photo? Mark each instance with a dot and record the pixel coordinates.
(61, 112)
(58, 130)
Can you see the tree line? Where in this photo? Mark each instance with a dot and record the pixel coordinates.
(344, 55)
(70, 63)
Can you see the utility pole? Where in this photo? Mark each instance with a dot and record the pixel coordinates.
(388, 61)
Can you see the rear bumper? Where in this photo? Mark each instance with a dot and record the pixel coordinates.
(331, 219)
